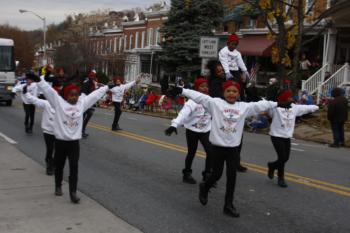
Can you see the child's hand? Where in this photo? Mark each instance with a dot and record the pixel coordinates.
(170, 130)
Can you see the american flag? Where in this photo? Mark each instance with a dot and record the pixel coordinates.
(254, 71)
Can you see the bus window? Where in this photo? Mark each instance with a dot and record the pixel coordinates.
(6, 58)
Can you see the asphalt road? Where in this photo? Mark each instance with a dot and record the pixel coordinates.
(136, 173)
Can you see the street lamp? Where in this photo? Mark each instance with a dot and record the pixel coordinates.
(44, 28)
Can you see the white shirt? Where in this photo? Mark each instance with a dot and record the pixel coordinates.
(194, 117)
(118, 91)
(47, 120)
(231, 60)
(283, 119)
(227, 119)
(31, 89)
(68, 120)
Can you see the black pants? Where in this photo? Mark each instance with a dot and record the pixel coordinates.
(192, 145)
(50, 146)
(64, 149)
(86, 117)
(29, 110)
(220, 156)
(338, 132)
(117, 114)
(282, 147)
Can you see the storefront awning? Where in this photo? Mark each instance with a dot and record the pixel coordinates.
(255, 46)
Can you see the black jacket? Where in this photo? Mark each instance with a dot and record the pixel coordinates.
(88, 86)
(338, 110)
(215, 87)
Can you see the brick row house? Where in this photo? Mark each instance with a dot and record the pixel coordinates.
(331, 47)
(131, 47)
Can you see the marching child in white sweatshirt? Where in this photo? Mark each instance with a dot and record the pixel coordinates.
(29, 109)
(68, 122)
(197, 122)
(227, 124)
(47, 125)
(282, 129)
(118, 91)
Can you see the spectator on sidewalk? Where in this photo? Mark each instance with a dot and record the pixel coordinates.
(216, 78)
(337, 115)
(272, 89)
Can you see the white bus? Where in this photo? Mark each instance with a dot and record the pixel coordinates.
(7, 70)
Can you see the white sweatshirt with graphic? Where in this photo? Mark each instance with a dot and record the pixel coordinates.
(68, 120)
(283, 119)
(31, 89)
(231, 60)
(194, 117)
(118, 91)
(227, 119)
(47, 120)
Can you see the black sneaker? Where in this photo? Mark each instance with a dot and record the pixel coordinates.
(85, 135)
(203, 194)
(334, 145)
(58, 191)
(241, 168)
(231, 211)
(49, 171)
(270, 171)
(74, 198)
(282, 183)
(189, 179)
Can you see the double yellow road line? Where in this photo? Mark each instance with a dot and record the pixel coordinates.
(322, 185)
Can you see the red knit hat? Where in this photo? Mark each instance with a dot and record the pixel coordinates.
(69, 88)
(230, 83)
(232, 38)
(284, 96)
(199, 81)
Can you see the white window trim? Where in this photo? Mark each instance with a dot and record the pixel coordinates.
(137, 40)
(143, 39)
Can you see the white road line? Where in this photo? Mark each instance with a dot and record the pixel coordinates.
(109, 114)
(295, 144)
(8, 139)
(297, 149)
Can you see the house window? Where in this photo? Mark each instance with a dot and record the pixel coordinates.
(137, 37)
(143, 39)
(252, 23)
(157, 35)
(309, 6)
(120, 44)
(130, 42)
(115, 44)
(150, 37)
(125, 42)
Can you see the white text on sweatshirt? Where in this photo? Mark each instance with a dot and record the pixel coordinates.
(118, 91)
(47, 120)
(283, 119)
(227, 119)
(68, 121)
(194, 117)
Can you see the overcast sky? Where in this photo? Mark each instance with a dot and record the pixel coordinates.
(56, 11)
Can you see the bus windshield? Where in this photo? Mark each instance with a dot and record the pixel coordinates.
(7, 62)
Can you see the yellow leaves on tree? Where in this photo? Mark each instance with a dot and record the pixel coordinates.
(286, 60)
(188, 4)
(275, 55)
(265, 4)
(290, 39)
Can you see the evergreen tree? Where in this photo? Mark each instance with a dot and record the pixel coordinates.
(188, 20)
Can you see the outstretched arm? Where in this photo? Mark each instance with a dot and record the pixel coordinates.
(35, 100)
(50, 94)
(182, 116)
(199, 98)
(93, 97)
(260, 106)
(305, 109)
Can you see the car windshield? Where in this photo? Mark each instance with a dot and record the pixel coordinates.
(6, 58)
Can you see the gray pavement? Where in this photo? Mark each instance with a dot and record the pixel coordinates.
(28, 204)
(136, 174)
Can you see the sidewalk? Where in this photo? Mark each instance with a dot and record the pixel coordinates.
(28, 204)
